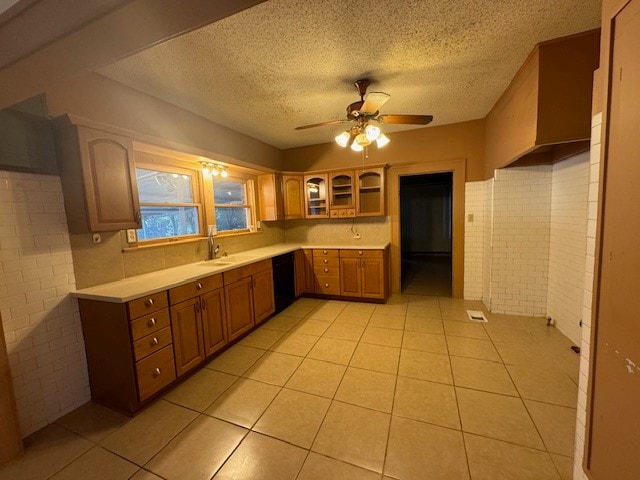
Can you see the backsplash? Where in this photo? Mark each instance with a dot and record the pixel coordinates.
(107, 262)
(372, 230)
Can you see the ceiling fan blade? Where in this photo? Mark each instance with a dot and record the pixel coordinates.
(373, 102)
(332, 122)
(405, 119)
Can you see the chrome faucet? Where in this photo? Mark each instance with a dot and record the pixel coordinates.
(212, 251)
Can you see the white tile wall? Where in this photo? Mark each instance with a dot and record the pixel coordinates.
(487, 237)
(567, 248)
(520, 240)
(474, 204)
(41, 322)
(585, 346)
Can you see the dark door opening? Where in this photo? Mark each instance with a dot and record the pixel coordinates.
(425, 233)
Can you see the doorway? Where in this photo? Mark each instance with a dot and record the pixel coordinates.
(426, 233)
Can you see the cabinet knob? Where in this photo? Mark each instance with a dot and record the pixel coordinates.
(359, 252)
(198, 286)
(324, 252)
(157, 372)
(326, 270)
(151, 323)
(325, 260)
(148, 302)
(326, 285)
(154, 342)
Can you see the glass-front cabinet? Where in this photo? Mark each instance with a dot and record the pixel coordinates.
(342, 194)
(370, 192)
(316, 196)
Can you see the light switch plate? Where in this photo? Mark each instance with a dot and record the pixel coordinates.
(131, 236)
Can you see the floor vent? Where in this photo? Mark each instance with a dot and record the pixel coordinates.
(477, 316)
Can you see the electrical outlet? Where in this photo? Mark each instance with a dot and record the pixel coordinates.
(258, 225)
(96, 238)
(357, 236)
(470, 218)
(131, 236)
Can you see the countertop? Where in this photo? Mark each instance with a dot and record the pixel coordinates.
(135, 287)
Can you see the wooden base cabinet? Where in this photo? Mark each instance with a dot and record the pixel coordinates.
(362, 274)
(198, 323)
(239, 301)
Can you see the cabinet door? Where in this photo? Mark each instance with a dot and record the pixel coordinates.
(186, 326)
(293, 198)
(109, 180)
(239, 302)
(316, 196)
(298, 265)
(370, 192)
(270, 194)
(373, 278)
(263, 300)
(214, 321)
(309, 275)
(350, 277)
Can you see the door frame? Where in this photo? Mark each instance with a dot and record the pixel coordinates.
(457, 168)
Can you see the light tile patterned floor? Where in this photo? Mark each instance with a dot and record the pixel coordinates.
(340, 390)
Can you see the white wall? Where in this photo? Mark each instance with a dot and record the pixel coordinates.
(567, 247)
(520, 240)
(589, 264)
(474, 205)
(487, 237)
(41, 322)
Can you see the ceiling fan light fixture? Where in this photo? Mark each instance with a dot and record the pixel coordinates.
(362, 140)
(356, 147)
(343, 139)
(382, 140)
(372, 132)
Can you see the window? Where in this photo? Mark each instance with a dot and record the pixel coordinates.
(232, 204)
(169, 202)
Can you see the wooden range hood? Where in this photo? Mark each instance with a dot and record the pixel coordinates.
(545, 113)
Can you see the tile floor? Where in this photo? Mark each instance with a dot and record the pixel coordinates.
(339, 390)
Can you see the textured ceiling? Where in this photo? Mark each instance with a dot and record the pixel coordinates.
(286, 63)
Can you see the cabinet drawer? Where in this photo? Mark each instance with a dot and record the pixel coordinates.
(361, 253)
(328, 284)
(150, 303)
(320, 271)
(233, 276)
(192, 289)
(149, 324)
(324, 253)
(155, 372)
(145, 346)
(326, 262)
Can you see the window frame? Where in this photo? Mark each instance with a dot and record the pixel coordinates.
(180, 168)
(250, 198)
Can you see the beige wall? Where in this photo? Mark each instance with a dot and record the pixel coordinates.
(102, 100)
(422, 145)
(373, 230)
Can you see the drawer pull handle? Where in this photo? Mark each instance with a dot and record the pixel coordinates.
(154, 342)
(157, 372)
(360, 252)
(326, 285)
(199, 286)
(151, 323)
(326, 270)
(148, 302)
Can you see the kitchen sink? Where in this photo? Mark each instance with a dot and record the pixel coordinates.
(215, 263)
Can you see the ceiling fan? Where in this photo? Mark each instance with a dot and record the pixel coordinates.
(364, 111)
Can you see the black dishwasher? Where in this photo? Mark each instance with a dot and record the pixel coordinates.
(283, 281)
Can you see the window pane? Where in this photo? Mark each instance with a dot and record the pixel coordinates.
(162, 222)
(163, 187)
(227, 192)
(229, 218)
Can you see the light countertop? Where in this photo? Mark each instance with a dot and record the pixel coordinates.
(135, 287)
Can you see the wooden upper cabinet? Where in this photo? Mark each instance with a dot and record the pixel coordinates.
(292, 188)
(342, 194)
(263, 295)
(99, 179)
(316, 200)
(547, 104)
(271, 197)
(370, 195)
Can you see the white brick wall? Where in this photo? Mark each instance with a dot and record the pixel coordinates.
(41, 322)
(569, 191)
(585, 346)
(473, 239)
(520, 240)
(487, 236)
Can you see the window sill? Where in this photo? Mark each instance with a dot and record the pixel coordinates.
(176, 241)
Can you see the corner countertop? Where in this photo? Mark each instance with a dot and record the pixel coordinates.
(135, 287)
